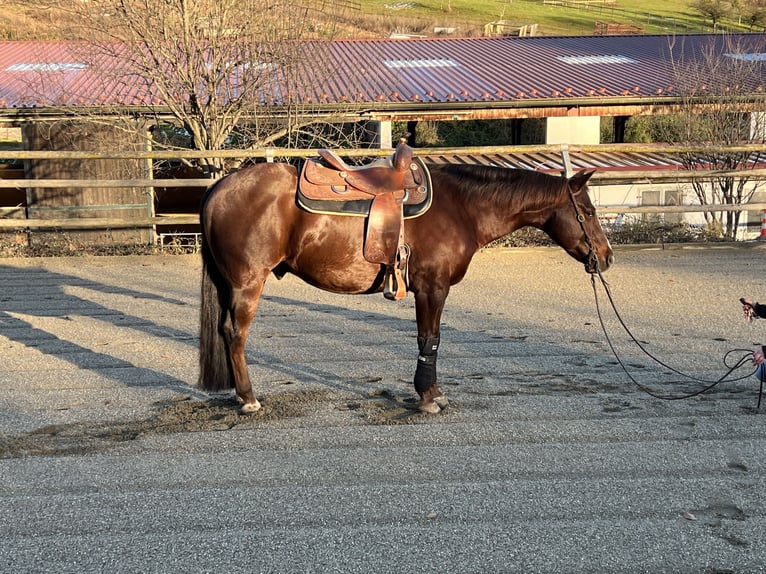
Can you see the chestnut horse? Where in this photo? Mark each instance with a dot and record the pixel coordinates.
(252, 227)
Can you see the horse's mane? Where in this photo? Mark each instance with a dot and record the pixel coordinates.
(501, 185)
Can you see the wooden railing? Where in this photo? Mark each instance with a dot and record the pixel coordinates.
(10, 220)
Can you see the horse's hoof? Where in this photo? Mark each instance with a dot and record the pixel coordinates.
(251, 407)
(430, 407)
(442, 401)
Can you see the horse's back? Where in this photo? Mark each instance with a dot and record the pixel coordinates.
(255, 184)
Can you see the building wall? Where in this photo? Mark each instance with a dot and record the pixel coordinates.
(93, 201)
(604, 196)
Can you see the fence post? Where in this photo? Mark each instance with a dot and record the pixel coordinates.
(566, 160)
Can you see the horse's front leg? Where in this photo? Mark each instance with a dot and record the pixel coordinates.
(428, 311)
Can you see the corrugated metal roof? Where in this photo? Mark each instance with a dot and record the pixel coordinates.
(502, 71)
(551, 161)
(64, 74)
(618, 163)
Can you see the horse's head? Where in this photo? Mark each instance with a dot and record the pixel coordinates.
(575, 227)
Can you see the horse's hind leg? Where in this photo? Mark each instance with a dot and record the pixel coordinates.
(244, 304)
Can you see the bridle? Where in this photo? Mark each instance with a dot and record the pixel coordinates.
(592, 264)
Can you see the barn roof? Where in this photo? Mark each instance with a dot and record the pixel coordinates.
(554, 162)
(399, 74)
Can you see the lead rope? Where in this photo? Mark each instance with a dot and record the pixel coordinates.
(593, 263)
(746, 354)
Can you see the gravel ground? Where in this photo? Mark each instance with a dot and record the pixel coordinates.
(549, 458)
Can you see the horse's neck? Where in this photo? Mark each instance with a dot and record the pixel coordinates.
(506, 212)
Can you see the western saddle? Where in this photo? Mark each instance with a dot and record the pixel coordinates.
(385, 191)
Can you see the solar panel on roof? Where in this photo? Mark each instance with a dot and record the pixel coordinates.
(753, 57)
(46, 67)
(431, 63)
(596, 59)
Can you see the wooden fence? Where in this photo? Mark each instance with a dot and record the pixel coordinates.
(580, 3)
(617, 29)
(10, 218)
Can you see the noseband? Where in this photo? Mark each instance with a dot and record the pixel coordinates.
(592, 265)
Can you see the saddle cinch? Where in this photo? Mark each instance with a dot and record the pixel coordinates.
(386, 191)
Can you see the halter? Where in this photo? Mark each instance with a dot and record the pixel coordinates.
(592, 262)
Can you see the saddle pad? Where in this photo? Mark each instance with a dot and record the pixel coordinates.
(321, 198)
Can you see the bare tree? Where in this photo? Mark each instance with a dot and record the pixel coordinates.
(713, 10)
(722, 105)
(752, 13)
(223, 73)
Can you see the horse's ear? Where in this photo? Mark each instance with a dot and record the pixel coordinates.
(579, 180)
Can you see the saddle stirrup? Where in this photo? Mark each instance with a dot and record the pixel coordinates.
(395, 288)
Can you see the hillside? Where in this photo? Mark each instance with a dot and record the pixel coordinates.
(41, 20)
(564, 17)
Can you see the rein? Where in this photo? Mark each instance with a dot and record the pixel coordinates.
(593, 263)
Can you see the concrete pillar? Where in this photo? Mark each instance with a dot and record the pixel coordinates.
(383, 135)
(573, 130)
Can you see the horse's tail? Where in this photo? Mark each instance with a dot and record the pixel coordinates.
(215, 373)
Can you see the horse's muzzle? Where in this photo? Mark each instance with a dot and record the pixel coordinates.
(594, 265)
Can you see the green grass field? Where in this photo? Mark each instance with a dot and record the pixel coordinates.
(31, 19)
(469, 16)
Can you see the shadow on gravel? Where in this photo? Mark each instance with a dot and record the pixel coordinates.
(184, 415)
(39, 292)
